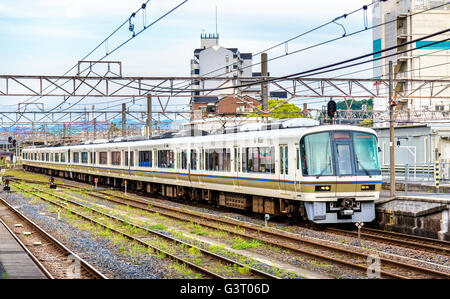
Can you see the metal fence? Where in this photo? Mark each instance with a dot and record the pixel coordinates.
(418, 173)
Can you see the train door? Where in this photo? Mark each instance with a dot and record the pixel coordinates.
(178, 165)
(284, 169)
(297, 170)
(236, 167)
(201, 168)
(345, 165)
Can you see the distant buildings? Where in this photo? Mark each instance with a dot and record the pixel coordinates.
(213, 60)
(430, 62)
(228, 106)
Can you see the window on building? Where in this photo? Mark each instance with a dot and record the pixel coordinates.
(84, 157)
(440, 108)
(131, 153)
(194, 159)
(103, 158)
(258, 159)
(166, 159)
(218, 159)
(145, 159)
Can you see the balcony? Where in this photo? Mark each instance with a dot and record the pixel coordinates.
(402, 33)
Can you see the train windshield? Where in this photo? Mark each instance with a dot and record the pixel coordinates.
(316, 154)
(342, 153)
(366, 152)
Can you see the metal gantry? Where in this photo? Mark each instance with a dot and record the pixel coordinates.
(163, 90)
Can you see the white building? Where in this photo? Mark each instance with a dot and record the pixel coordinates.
(213, 60)
(430, 62)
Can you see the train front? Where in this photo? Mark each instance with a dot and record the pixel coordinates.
(341, 176)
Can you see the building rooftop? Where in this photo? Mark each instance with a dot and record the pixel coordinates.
(204, 100)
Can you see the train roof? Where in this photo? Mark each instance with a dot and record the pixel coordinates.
(241, 136)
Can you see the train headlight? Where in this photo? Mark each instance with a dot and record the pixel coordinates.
(367, 187)
(323, 188)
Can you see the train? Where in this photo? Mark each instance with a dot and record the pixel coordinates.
(323, 174)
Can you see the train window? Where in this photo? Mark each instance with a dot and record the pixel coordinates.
(115, 158)
(166, 159)
(92, 154)
(76, 157)
(84, 157)
(366, 151)
(47, 157)
(316, 158)
(298, 158)
(202, 155)
(57, 157)
(131, 154)
(63, 157)
(103, 158)
(145, 159)
(258, 159)
(193, 159)
(218, 159)
(184, 159)
(237, 159)
(284, 164)
(343, 159)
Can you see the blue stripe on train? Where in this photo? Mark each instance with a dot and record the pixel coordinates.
(228, 178)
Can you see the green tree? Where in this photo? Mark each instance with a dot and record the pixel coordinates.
(286, 110)
(356, 105)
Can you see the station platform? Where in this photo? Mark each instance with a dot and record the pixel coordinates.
(419, 213)
(14, 261)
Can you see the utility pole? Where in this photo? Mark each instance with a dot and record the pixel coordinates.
(124, 119)
(391, 127)
(264, 88)
(64, 134)
(95, 128)
(149, 116)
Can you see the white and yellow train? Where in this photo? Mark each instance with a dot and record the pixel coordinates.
(327, 174)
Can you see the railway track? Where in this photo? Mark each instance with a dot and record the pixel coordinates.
(390, 268)
(403, 240)
(210, 257)
(330, 253)
(54, 259)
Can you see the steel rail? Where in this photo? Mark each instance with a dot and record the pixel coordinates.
(143, 204)
(206, 252)
(427, 244)
(94, 273)
(261, 230)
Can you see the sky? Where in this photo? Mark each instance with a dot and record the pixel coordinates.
(47, 37)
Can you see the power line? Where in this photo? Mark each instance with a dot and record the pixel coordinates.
(190, 90)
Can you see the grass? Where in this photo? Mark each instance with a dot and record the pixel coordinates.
(194, 251)
(158, 227)
(239, 243)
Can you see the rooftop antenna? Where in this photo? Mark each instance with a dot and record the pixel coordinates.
(217, 33)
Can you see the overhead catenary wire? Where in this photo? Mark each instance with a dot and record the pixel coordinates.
(186, 90)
